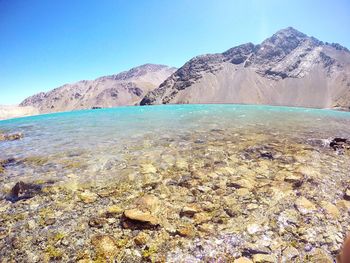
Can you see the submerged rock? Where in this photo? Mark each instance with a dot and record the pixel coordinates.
(88, 197)
(23, 190)
(137, 219)
(105, 246)
(304, 206)
(347, 194)
(340, 144)
(11, 137)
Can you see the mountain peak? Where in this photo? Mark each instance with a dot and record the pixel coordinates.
(290, 31)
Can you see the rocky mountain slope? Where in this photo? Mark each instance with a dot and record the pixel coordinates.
(126, 88)
(289, 68)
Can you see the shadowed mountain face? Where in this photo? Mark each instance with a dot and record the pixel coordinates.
(126, 88)
(289, 68)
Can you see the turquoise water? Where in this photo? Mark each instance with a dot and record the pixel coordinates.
(114, 142)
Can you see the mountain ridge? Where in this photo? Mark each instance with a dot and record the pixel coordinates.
(124, 88)
(263, 74)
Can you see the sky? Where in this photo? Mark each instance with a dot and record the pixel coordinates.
(45, 44)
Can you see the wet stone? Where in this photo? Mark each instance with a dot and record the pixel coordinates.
(189, 210)
(304, 206)
(11, 137)
(97, 222)
(105, 246)
(290, 253)
(137, 219)
(347, 194)
(88, 197)
(22, 191)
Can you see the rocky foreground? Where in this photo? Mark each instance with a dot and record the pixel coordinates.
(274, 200)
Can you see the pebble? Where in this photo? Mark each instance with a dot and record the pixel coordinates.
(304, 206)
(105, 246)
(88, 197)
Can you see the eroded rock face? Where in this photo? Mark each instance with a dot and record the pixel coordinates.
(286, 62)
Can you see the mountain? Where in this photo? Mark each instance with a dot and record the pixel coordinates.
(289, 68)
(126, 88)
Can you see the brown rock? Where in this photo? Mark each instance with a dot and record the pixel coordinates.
(137, 219)
(203, 217)
(330, 209)
(304, 206)
(289, 254)
(148, 202)
(320, 256)
(105, 246)
(141, 239)
(187, 231)
(189, 210)
(11, 137)
(97, 222)
(88, 197)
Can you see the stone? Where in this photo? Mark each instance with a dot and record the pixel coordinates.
(252, 206)
(114, 209)
(97, 222)
(290, 253)
(148, 168)
(148, 202)
(254, 228)
(189, 210)
(181, 164)
(304, 206)
(339, 144)
(11, 137)
(242, 260)
(243, 192)
(105, 246)
(330, 209)
(343, 205)
(263, 258)
(318, 255)
(241, 183)
(252, 249)
(88, 197)
(347, 194)
(202, 217)
(186, 231)
(295, 179)
(141, 217)
(23, 190)
(141, 239)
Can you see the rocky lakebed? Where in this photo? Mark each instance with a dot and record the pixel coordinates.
(211, 195)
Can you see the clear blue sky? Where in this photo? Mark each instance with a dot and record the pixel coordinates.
(45, 44)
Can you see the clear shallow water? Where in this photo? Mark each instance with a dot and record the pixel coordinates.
(99, 144)
(257, 176)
